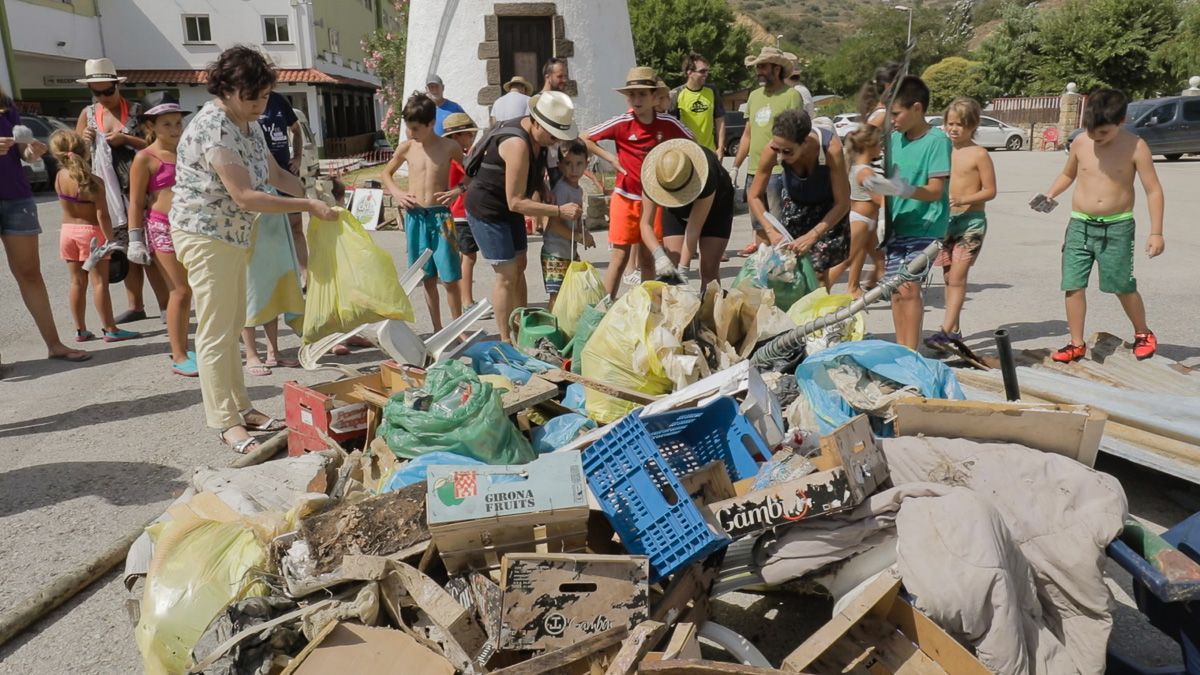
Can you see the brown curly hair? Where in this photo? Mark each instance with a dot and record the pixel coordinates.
(240, 70)
(74, 156)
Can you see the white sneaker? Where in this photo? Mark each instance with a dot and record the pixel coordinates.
(632, 279)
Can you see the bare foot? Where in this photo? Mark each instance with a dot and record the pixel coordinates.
(64, 353)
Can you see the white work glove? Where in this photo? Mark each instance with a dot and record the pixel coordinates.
(889, 187)
(1042, 203)
(98, 253)
(138, 253)
(662, 263)
(22, 134)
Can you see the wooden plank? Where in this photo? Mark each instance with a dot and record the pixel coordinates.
(693, 584)
(683, 643)
(641, 640)
(528, 395)
(561, 658)
(881, 592)
(465, 638)
(934, 641)
(702, 667)
(709, 484)
(557, 375)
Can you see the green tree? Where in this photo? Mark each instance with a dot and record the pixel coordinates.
(1179, 58)
(385, 53)
(1109, 43)
(1008, 56)
(951, 77)
(665, 31)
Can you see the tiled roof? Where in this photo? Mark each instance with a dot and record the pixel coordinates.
(286, 75)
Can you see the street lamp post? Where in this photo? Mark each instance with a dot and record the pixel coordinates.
(908, 40)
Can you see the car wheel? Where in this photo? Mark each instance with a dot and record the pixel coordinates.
(731, 148)
(1174, 157)
(1014, 143)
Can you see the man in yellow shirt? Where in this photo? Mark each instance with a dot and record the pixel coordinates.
(698, 105)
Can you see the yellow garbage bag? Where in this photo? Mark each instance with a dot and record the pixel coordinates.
(582, 287)
(816, 305)
(636, 340)
(351, 280)
(205, 565)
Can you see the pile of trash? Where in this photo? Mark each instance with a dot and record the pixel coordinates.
(547, 509)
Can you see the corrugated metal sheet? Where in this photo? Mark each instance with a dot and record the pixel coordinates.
(1109, 362)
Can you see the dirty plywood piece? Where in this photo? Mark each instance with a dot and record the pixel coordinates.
(641, 640)
(559, 376)
(374, 526)
(370, 650)
(554, 600)
(850, 467)
(559, 660)
(463, 640)
(527, 395)
(480, 513)
(709, 484)
(881, 634)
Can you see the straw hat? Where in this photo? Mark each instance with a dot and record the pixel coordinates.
(674, 172)
(518, 81)
(661, 88)
(640, 77)
(456, 123)
(159, 103)
(99, 70)
(555, 112)
(773, 55)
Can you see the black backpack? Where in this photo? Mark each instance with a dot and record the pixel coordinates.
(494, 136)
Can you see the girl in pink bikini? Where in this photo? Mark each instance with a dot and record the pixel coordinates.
(151, 183)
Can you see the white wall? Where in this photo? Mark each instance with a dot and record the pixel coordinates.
(599, 29)
(5, 79)
(38, 30)
(149, 34)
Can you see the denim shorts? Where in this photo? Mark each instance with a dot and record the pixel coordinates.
(499, 243)
(902, 250)
(19, 217)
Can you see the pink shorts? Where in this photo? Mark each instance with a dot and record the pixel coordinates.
(158, 232)
(75, 241)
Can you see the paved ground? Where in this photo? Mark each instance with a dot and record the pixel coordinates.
(90, 452)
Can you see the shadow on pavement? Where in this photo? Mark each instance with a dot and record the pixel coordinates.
(115, 411)
(119, 483)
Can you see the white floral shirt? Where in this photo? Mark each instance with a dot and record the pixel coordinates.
(202, 205)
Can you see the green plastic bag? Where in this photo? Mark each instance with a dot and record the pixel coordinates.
(351, 280)
(584, 327)
(475, 427)
(790, 276)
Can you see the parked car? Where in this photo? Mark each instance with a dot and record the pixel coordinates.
(735, 126)
(934, 120)
(42, 127)
(992, 133)
(1170, 125)
(846, 123)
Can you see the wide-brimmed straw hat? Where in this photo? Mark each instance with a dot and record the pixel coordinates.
(99, 70)
(640, 77)
(517, 80)
(456, 123)
(159, 103)
(776, 56)
(555, 112)
(674, 172)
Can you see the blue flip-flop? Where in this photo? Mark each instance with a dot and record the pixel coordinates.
(120, 335)
(186, 367)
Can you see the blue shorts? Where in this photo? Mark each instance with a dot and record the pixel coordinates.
(774, 197)
(19, 217)
(901, 251)
(499, 242)
(433, 228)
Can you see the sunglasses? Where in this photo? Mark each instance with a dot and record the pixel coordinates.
(101, 93)
(702, 71)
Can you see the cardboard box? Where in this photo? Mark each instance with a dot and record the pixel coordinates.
(365, 649)
(880, 630)
(1070, 430)
(339, 409)
(477, 514)
(850, 467)
(555, 600)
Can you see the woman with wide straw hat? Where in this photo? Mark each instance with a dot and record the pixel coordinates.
(500, 194)
(687, 184)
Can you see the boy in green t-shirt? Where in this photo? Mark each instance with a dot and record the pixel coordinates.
(918, 199)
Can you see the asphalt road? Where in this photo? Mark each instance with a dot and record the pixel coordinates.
(91, 451)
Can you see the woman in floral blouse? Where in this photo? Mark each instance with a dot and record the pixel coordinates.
(222, 175)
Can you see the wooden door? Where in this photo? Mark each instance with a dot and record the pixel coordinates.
(526, 42)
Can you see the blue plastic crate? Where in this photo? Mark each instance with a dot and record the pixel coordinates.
(645, 502)
(689, 439)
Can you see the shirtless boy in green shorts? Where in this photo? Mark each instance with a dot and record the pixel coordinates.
(1101, 230)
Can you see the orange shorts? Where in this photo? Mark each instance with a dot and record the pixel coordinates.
(624, 220)
(75, 240)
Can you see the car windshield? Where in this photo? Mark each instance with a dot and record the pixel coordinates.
(1138, 109)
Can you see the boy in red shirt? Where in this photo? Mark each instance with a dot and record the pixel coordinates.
(634, 133)
(459, 128)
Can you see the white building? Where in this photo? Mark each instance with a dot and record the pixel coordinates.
(476, 45)
(167, 44)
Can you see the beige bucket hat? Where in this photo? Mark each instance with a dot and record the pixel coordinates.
(776, 56)
(674, 172)
(518, 81)
(640, 77)
(456, 123)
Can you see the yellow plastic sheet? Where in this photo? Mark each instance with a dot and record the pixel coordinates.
(816, 305)
(582, 287)
(351, 280)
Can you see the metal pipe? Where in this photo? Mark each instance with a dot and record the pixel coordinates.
(1008, 368)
